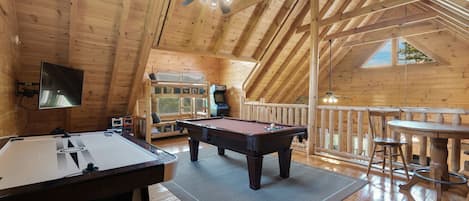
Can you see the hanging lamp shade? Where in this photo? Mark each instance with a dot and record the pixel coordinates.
(330, 97)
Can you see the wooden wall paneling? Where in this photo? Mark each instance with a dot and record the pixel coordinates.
(167, 61)
(248, 30)
(239, 6)
(232, 74)
(155, 11)
(286, 89)
(12, 117)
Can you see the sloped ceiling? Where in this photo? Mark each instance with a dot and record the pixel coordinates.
(111, 41)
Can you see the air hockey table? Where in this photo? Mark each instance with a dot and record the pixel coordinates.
(81, 166)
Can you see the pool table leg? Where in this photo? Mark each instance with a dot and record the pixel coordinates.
(221, 151)
(255, 171)
(194, 149)
(284, 160)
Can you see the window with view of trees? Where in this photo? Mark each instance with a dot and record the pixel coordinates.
(396, 52)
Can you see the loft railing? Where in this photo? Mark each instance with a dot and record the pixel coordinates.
(343, 131)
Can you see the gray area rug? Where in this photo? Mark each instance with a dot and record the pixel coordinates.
(225, 178)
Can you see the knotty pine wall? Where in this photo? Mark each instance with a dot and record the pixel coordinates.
(217, 71)
(12, 117)
(433, 85)
(166, 61)
(233, 74)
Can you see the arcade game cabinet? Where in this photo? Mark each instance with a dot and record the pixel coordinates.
(219, 106)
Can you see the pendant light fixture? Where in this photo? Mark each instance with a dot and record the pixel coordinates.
(330, 98)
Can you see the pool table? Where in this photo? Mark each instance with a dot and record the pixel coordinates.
(81, 166)
(251, 138)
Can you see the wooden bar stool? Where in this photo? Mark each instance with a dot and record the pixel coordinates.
(389, 145)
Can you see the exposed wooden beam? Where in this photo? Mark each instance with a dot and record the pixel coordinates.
(373, 8)
(462, 20)
(284, 65)
(279, 48)
(395, 32)
(118, 52)
(325, 8)
(199, 25)
(155, 11)
(323, 11)
(455, 30)
(277, 23)
(238, 6)
(250, 27)
(223, 27)
(383, 25)
(313, 77)
(206, 53)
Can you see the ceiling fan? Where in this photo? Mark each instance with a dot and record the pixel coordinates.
(223, 4)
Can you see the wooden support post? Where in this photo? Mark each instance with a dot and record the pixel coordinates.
(313, 81)
(148, 120)
(423, 145)
(456, 147)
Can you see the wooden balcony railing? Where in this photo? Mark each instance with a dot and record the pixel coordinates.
(343, 131)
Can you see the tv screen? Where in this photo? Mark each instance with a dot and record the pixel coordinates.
(60, 86)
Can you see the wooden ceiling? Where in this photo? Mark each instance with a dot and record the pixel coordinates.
(111, 40)
(275, 34)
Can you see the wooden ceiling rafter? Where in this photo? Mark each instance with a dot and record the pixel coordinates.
(250, 27)
(284, 90)
(280, 18)
(155, 11)
(238, 6)
(119, 51)
(278, 49)
(383, 25)
(463, 21)
(272, 44)
(395, 32)
(370, 9)
(325, 28)
(284, 65)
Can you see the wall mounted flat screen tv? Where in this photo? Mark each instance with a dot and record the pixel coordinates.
(60, 86)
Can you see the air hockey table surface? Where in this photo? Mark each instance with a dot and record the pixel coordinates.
(53, 164)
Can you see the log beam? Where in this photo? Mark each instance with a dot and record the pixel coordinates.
(313, 81)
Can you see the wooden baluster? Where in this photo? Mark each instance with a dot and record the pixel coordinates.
(331, 130)
(284, 115)
(360, 132)
(408, 138)
(322, 131)
(290, 116)
(340, 120)
(304, 116)
(297, 120)
(349, 132)
(456, 146)
(370, 140)
(396, 136)
(279, 115)
(423, 144)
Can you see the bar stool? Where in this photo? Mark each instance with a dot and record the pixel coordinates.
(387, 144)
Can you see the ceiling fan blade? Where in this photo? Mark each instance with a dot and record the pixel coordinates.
(187, 2)
(224, 8)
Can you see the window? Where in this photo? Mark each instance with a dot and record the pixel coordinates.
(408, 54)
(200, 105)
(396, 52)
(382, 57)
(186, 106)
(168, 105)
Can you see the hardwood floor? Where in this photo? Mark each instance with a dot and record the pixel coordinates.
(379, 187)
